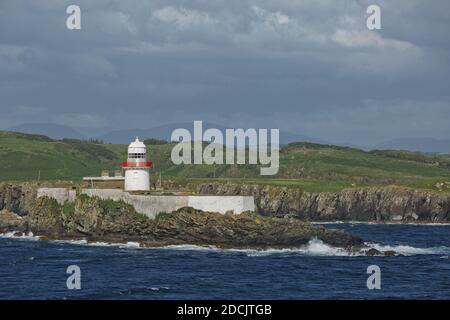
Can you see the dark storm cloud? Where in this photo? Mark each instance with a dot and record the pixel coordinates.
(306, 66)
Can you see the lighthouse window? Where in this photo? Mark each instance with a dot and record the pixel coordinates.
(136, 156)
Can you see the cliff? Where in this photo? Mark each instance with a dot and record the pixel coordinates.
(18, 198)
(379, 204)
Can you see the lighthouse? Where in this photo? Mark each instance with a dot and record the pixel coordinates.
(137, 177)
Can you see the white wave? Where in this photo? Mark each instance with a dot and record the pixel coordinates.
(189, 247)
(15, 235)
(159, 288)
(76, 242)
(131, 244)
(128, 245)
(315, 247)
(102, 244)
(409, 250)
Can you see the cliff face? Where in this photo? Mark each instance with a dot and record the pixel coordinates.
(381, 204)
(368, 204)
(17, 198)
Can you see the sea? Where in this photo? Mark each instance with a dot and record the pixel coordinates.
(36, 269)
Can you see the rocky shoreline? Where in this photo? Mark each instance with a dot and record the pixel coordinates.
(282, 218)
(96, 220)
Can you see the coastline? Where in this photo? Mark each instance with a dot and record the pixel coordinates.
(314, 247)
(389, 204)
(92, 219)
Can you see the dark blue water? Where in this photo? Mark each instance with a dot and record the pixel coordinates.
(37, 270)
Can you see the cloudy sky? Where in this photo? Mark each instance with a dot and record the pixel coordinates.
(305, 66)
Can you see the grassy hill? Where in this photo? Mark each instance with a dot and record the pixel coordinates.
(309, 166)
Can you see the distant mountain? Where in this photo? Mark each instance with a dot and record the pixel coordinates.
(165, 131)
(52, 130)
(161, 132)
(417, 144)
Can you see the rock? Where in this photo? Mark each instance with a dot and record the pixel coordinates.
(17, 198)
(373, 252)
(45, 217)
(10, 221)
(390, 253)
(188, 225)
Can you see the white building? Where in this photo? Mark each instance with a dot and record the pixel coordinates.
(137, 176)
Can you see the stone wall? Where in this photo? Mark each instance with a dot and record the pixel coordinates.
(151, 205)
(61, 195)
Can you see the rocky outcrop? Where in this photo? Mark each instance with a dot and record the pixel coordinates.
(17, 198)
(9, 221)
(95, 219)
(247, 230)
(381, 204)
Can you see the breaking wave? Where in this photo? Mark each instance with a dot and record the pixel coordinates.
(315, 247)
(409, 250)
(19, 235)
(128, 245)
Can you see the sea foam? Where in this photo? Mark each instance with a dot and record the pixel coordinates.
(13, 235)
(409, 250)
(315, 247)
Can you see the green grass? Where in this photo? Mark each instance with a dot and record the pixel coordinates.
(22, 158)
(308, 166)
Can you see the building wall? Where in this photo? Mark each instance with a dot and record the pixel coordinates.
(137, 180)
(222, 204)
(110, 184)
(151, 205)
(61, 195)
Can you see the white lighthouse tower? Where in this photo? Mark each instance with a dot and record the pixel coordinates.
(137, 177)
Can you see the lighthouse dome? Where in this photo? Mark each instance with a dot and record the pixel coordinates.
(136, 146)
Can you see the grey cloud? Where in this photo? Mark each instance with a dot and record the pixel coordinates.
(306, 66)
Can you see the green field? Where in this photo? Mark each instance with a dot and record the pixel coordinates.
(311, 167)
